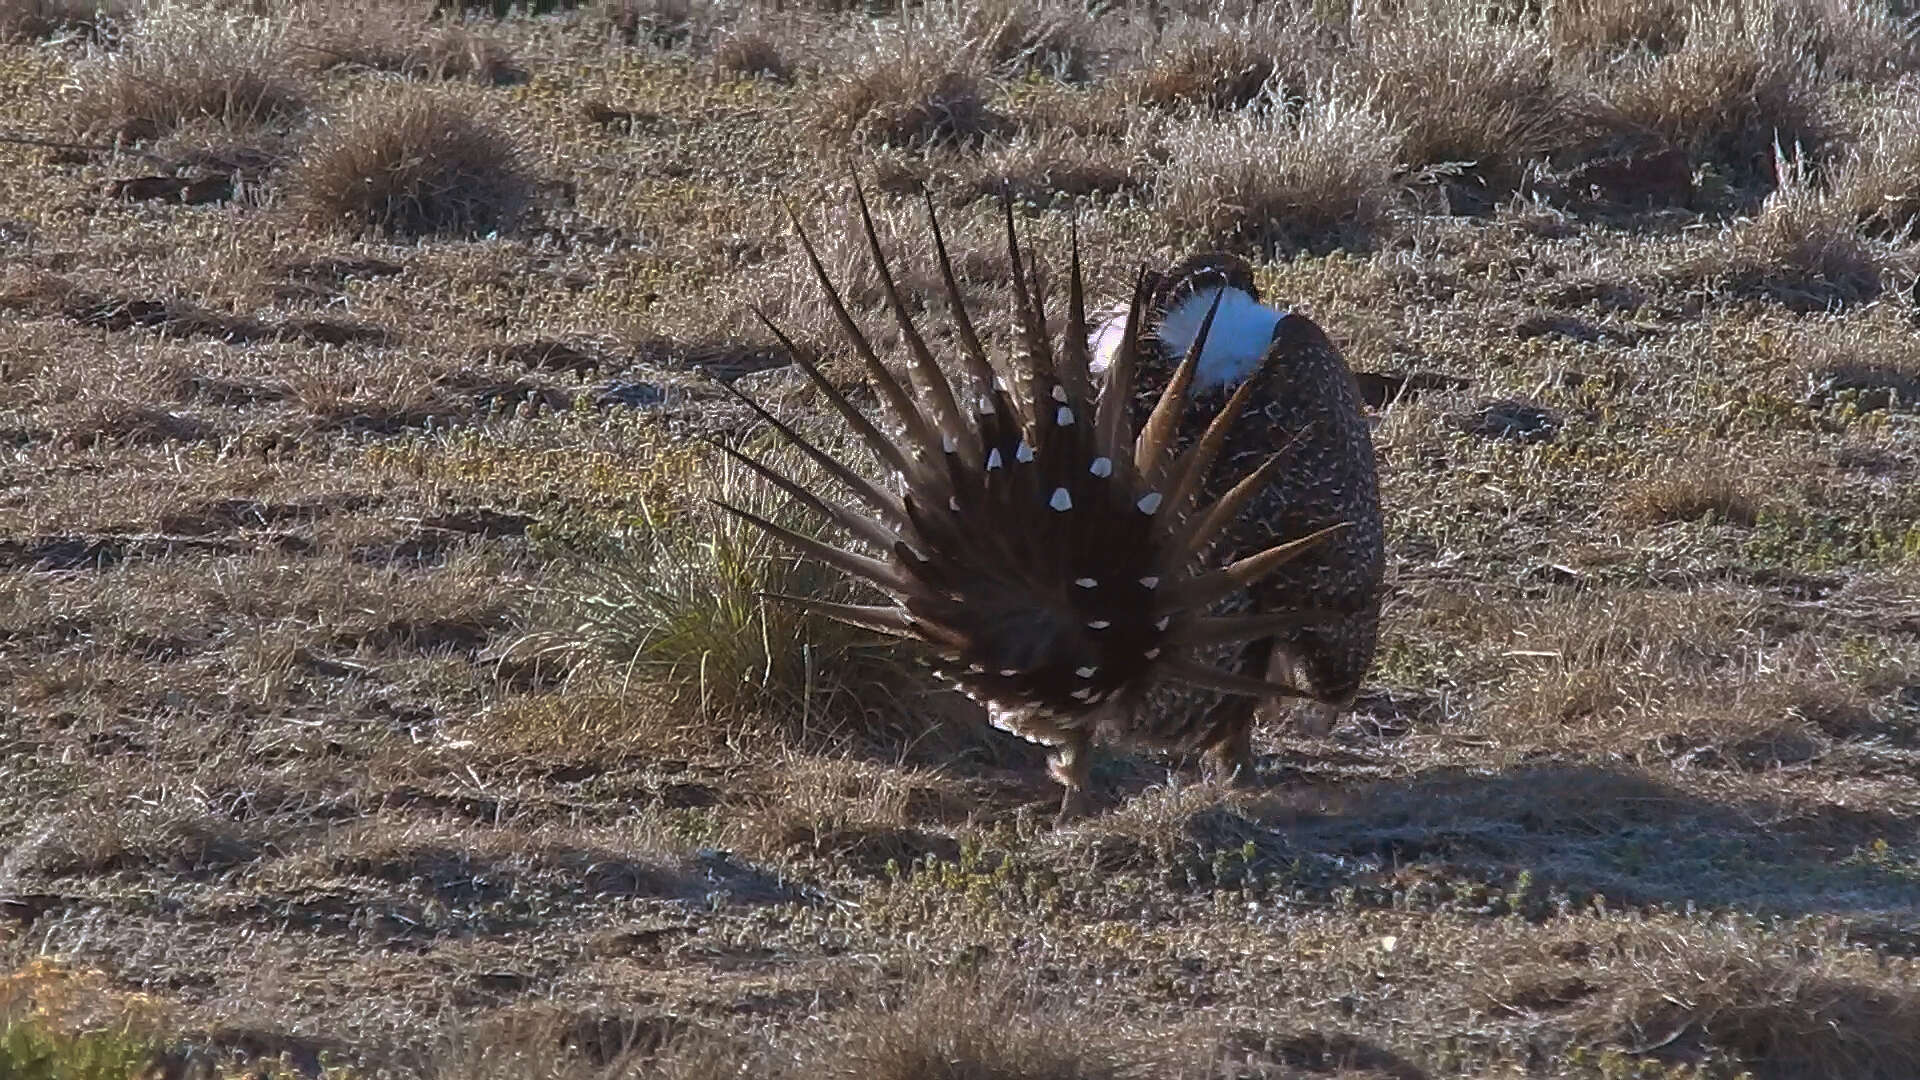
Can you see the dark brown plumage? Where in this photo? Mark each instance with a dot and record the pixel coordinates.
(1303, 397)
(1049, 557)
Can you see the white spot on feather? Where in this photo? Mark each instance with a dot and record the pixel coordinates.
(953, 504)
(1064, 417)
(1059, 393)
(1083, 693)
(1149, 502)
(1098, 624)
(1152, 653)
(947, 444)
(1150, 582)
(1101, 466)
(986, 405)
(994, 460)
(1008, 673)
(1087, 583)
(1023, 453)
(1061, 501)
(1161, 622)
(1086, 672)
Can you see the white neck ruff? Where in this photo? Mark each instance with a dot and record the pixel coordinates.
(1242, 330)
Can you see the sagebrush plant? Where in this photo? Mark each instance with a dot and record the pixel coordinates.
(412, 163)
(180, 62)
(685, 604)
(1322, 175)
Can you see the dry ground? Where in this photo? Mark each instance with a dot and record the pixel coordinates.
(379, 692)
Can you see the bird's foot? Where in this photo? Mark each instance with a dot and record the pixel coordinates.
(1074, 805)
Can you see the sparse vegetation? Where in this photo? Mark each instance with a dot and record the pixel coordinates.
(379, 695)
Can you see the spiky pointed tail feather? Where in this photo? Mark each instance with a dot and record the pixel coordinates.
(1044, 552)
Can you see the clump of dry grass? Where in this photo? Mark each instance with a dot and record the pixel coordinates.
(1731, 93)
(1603, 29)
(182, 62)
(684, 608)
(1275, 179)
(1469, 90)
(957, 1032)
(1053, 166)
(911, 89)
(1879, 181)
(1804, 247)
(448, 52)
(753, 52)
(1718, 998)
(412, 164)
(1020, 36)
(1712, 492)
(663, 24)
(1220, 65)
(26, 20)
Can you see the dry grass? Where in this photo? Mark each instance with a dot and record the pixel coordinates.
(1221, 65)
(1020, 37)
(1702, 491)
(357, 587)
(754, 52)
(1805, 247)
(446, 52)
(412, 164)
(1774, 1015)
(27, 20)
(1879, 181)
(180, 62)
(1729, 94)
(1275, 179)
(685, 608)
(1469, 91)
(955, 1032)
(908, 87)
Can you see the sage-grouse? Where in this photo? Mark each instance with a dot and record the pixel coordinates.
(1046, 554)
(1303, 396)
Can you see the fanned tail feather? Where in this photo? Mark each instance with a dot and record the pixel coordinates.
(1040, 549)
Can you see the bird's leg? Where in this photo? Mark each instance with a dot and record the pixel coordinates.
(1230, 757)
(1070, 764)
(1230, 760)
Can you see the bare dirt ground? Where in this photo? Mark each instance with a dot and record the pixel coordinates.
(313, 750)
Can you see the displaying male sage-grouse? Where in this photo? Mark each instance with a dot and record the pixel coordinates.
(1303, 395)
(1049, 556)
